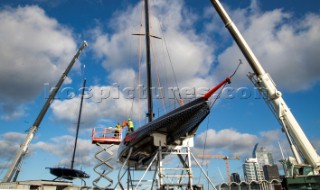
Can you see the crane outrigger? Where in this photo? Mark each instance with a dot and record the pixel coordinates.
(298, 172)
(13, 170)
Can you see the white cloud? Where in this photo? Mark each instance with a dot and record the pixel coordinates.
(230, 142)
(227, 140)
(102, 104)
(9, 144)
(316, 144)
(286, 47)
(191, 54)
(34, 50)
(60, 147)
(124, 77)
(63, 146)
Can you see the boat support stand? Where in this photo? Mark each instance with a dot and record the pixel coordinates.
(165, 177)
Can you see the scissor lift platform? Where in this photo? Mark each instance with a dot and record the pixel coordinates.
(106, 136)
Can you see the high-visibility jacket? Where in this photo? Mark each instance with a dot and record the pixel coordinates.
(130, 123)
(118, 127)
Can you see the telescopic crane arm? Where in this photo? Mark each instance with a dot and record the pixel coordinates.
(267, 86)
(24, 146)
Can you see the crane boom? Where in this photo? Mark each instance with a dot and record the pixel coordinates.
(267, 86)
(24, 146)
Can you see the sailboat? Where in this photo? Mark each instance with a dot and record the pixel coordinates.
(71, 173)
(173, 127)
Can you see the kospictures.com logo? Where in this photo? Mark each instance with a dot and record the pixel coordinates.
(100, 93)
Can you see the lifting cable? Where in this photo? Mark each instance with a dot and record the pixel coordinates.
(235, 71)
(83, 71)
(208, 120)
(207, 128)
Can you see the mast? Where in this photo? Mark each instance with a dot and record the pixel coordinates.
(14, 167)
(78, 123)
(148, 57)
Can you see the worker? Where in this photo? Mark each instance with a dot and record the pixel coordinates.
(117, 130)
(130, 125)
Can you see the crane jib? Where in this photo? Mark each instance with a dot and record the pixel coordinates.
(13, 169)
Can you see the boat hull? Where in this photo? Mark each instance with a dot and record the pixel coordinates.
(68, 173)
(176, 126)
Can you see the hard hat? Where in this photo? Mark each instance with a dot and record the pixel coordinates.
(129, 119)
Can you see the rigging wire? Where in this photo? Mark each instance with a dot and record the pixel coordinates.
(170, 60)
(156, 63)
(158, 77)
(139, 57)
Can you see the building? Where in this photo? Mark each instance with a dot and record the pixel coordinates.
(264, 157)
(235, 177)
(271, 172)
(42, 185)
(252, 170)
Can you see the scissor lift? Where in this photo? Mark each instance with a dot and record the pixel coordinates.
(105, 138)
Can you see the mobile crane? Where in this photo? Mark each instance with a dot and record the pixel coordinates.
(14, 168)
(299, 174)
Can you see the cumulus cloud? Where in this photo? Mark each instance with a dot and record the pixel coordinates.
(227, 140)
(230, 142)
(191, 54)
(34, 50)
(85, 152)
(62, 147)
(316, 144)
(285, 45)
(9, 144)
(102, 104)
(118, 50)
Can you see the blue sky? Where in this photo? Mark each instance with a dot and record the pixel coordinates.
(40, 37)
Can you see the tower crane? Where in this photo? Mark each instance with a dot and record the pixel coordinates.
(225, 158)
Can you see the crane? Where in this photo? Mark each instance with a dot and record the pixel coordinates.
(16, 164)
(225, 158)
(306, 160)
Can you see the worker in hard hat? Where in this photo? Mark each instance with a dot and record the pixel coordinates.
(130, 125)
(117, 130)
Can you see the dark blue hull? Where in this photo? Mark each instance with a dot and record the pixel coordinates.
(176, 125)
(68, 173)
